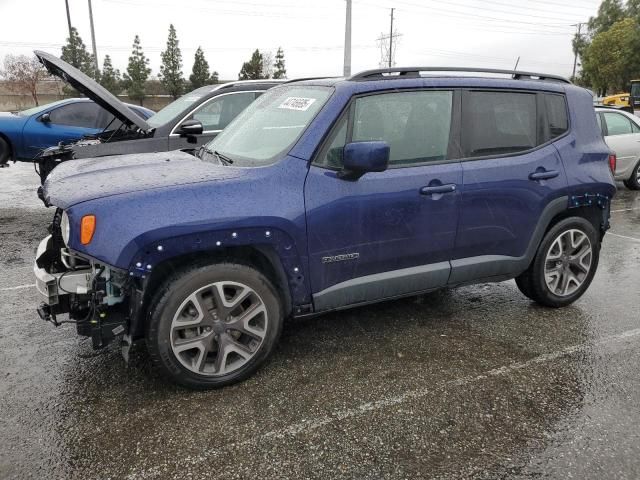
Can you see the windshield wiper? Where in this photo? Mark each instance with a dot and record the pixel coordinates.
(222, 158)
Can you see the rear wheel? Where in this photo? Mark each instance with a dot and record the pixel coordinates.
(564, 265)
(214, 325)
(633, 182)
(5, 152)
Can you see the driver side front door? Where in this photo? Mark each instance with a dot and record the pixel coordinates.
(390, 233)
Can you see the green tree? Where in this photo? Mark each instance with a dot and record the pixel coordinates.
(110, 78)
(253, 69)
(171, 67)
(138, 72)
(633, 9)
(609, 12)
(213, 79)
(75, 53)
(613, 57)
(200, 72)
(280, 70)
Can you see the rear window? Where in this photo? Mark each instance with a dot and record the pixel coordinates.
(497, 123)
(557, 120)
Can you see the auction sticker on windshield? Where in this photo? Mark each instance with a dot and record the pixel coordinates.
(297, 103)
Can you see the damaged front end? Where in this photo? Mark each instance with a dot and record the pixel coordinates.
(97, 298)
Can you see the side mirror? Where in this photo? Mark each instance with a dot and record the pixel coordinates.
(190, 127)
(45, 118)
(363, 157)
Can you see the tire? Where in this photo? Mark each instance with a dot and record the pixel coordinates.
(564, 264)
(633, 182)
(5, 152)
(188, 328)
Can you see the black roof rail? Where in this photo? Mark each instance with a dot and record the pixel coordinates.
(413, 72)
(302, 79)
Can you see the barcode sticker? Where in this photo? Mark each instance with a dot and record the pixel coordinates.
(297, 103)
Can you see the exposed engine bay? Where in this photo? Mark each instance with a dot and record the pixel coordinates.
(93, 295)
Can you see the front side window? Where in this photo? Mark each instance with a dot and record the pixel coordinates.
(496, 123)
(81, 114)
(416, 125)
(270, 125)
(617, 124)
(217, 113)
(40, 108)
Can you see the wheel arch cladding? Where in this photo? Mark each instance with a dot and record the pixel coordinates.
(271, 251)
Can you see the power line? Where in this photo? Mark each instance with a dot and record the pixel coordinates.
(187, 48)
(243, 13)
(441, 12)
(483, 8)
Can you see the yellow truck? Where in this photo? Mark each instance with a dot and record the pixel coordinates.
(620, 100)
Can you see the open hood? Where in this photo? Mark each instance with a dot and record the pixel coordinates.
(91, 89)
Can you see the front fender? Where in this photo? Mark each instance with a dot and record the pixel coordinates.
(154, 248)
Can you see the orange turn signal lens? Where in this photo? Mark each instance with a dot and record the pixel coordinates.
(87, 229)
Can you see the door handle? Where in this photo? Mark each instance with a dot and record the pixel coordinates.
(544, 175)
(448, 188)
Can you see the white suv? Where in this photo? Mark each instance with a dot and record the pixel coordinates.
(621, 131)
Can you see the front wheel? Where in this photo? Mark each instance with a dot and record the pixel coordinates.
(5, 152)
(564, 265)
(214, 325)
(633, 182)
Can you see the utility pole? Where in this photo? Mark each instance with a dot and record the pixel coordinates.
(93, 41)
(387, 43)
(391, 40)
(347, 42)
(575, 56)
(68, 17)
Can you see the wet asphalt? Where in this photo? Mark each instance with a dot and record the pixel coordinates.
(475, 382)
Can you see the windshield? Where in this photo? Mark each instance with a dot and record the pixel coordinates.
(635, 89)
(169, 112)
(40, 108)
(270, 125)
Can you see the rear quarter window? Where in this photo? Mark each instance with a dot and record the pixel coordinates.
(557, 120)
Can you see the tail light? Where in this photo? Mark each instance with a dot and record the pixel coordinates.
(612, 162)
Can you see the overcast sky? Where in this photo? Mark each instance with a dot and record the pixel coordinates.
(486, 33)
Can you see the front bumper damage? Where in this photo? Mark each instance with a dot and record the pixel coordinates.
(95, 297)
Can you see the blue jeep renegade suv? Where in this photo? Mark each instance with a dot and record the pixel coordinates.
(326, 194)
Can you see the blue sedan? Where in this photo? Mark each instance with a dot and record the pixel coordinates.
(24, 134)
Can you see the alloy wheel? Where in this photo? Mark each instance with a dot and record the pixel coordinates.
(568, 262)
(219, 328)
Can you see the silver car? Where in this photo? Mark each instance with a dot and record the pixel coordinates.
(621, 131)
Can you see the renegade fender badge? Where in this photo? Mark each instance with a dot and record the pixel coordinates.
(341, 258)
